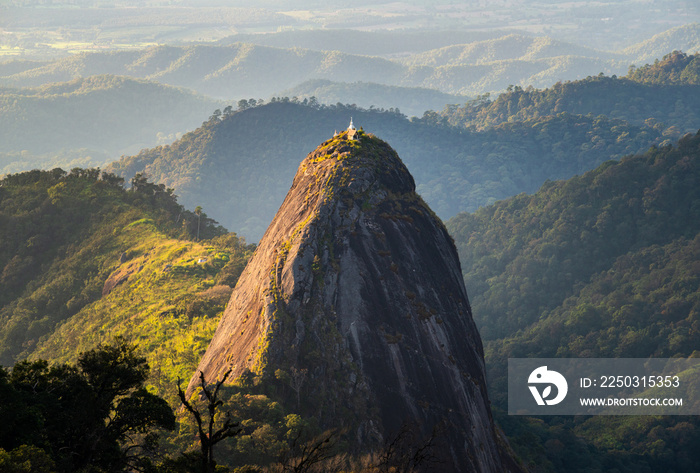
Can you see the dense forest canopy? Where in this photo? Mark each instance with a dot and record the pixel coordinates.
(545, 245)
(675, 68)
(665, 96)
(601, 265)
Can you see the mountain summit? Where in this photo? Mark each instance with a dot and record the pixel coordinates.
(355, 293)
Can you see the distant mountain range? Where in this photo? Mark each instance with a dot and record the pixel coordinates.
(462, 158)
(387, 44)
(243, 70)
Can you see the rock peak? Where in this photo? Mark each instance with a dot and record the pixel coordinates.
(352, 164)
(357, 282)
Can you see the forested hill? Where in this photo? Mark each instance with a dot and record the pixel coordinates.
(63, 114)
(602, 265)
(524, 256)
(675, 68)
(239, 164)
(100, 116)
(665, 95)
(61, 237)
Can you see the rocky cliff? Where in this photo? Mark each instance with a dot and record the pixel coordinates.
(355, 291)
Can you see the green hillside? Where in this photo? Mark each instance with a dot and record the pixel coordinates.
(601, 265)
(684, 38)
(114, 282)
(239, 165)
(71, 242)
(665, 95)
(100, 116)
(544, 246)
(674, 68)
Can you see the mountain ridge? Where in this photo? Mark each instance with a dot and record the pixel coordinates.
(96, 114)
(238, 166)
(210, 70)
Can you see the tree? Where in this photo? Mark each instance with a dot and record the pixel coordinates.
(94, 415)
(216, 116)
(26, 459)
(198, 211)
(208, 435)
(407, 452)
(304, 457)
(296, 381)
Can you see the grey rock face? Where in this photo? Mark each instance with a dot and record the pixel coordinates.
(357, 282)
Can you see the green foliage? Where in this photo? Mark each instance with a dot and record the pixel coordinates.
(26, 459)
(664, 103)
(524, 256)
(675, 68)
(62, 236)
(602, 265)
(165, 293)
(91, 417)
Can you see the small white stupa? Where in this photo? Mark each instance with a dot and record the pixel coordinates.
(352, 131)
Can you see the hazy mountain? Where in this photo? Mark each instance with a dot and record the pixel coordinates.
(682, 38)
(510, 47)
(242, 70)
(99, 115)
(60, 27)
(412, 101)
(371, 43)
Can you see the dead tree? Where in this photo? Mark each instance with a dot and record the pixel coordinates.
(208, 435)
(305, 457)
